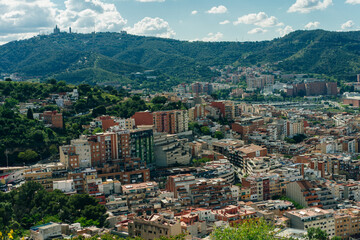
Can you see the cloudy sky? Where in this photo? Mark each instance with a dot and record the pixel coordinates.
(207, 20)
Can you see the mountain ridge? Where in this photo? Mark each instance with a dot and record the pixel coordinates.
(60, 56)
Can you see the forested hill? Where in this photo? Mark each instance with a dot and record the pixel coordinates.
(113, 56)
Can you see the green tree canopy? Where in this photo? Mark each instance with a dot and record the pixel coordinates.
(252, 229)
(28, 156)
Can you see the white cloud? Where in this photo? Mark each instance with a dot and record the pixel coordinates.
(353, 1)
(16, 36)
(224, 22)
(285, 30)
(259, 19)
(312, 25)
(152, 27)
(347, 25)
(194, 12)
(257, 30)
(150, 0)
(306, 6)
(218, 10)
(87, 15)
(213, 37)
(18, 16)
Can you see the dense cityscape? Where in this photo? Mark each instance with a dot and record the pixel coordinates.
(179, 120)
(250, 145)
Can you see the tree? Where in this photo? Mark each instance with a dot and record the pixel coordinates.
(30, 114)
(219, 135)
(51, 81)
(100, 110)
(159, 100)
(201, 161)
(97, 130)
(252, 229)
(28, 156)
(205, 130)
(87, 222)
(38, 136)
(53, 149)
(316, 234)
(10, 102)
(336, 238)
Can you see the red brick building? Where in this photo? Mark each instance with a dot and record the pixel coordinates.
(143, 118)
(69, 157)
(53, 118)
(247, 127)
(173, 121)
(127, 171)
(355, 101)
(104, 148)
(220, 106)
(313, 88)
(107, 122)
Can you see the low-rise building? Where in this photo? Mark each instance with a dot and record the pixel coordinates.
(153, 227)
(46, 231)
(313, 218)
(66, 186)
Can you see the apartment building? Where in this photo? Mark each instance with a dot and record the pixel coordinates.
(153, 227)
(259, 186)
(117, 205)
(139, 196)
(137, 143)
(65, 186)
(259, 82)
(83, 150)
(110, 187)
(234, 215)
(127, 171)
(295, 127)
(227, 109)
(69, 157)
(239, 157)
(170, 150)
(246, 126)
(347, 223)
(80, 179)
(352, 191)
(46, 176)
(310, 194)
(179, 182)
(104, 148)
(53, 118)
(312, 87)
(198, 111)
(209, 193)
(174, 121)
(312, 218)
(218, 169)
(143, 118)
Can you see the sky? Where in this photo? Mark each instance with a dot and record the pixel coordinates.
(192, 20)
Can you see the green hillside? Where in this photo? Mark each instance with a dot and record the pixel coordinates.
(104, 57)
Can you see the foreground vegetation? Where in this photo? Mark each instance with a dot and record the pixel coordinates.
(31, 205)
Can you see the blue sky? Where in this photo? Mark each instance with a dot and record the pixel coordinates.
(206, 20)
